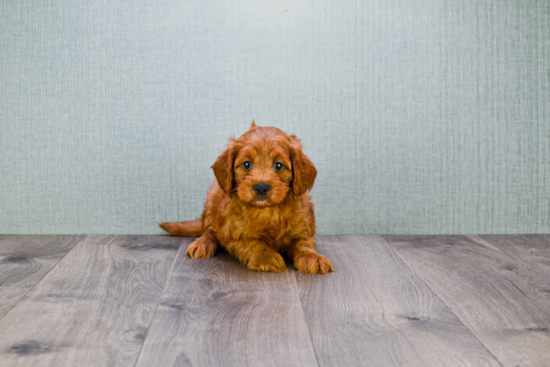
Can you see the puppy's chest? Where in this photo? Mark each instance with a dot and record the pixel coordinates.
(272, 232)
(271, 225)
(273, 235)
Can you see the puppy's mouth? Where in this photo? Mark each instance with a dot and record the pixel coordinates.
(261, 202)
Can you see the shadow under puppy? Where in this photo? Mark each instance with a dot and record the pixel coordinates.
(258, 207)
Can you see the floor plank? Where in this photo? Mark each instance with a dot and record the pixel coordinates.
(216, 312)
(375, 311)
(531, 250)
(25, 260)
(485, 288)
(94, 307)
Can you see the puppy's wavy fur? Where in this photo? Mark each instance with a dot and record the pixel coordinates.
(258, 229)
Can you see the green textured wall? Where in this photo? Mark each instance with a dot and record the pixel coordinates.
(421, 116)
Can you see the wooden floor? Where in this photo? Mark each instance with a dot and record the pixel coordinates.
(393, 301)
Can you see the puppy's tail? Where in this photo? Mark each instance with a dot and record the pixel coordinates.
(186, 229)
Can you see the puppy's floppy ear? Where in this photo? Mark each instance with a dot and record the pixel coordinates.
(223, 167)
(302, 168)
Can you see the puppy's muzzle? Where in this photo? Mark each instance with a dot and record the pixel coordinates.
(261, 189)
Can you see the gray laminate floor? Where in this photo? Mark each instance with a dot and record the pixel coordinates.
(393, 301)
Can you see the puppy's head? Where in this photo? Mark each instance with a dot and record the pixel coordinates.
(264, 166)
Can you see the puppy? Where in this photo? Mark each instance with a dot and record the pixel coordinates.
(258, 209)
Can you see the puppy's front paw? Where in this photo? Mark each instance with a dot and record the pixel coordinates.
(202, 248)
(268, 262)
(312, 263)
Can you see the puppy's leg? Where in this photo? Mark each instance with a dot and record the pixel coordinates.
(256, 255)
(306, 258)
(203, 247)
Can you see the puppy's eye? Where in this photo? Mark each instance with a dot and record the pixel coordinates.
(278, 166)
(247, 165)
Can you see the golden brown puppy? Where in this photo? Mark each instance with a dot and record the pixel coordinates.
(258, 207)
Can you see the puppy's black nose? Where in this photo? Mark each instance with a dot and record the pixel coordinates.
(261, 189)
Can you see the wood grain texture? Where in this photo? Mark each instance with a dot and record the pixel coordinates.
(216, 312)
(531, 250)
(25, 260)
(93, 308)
(486, 289)
(375, 311)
